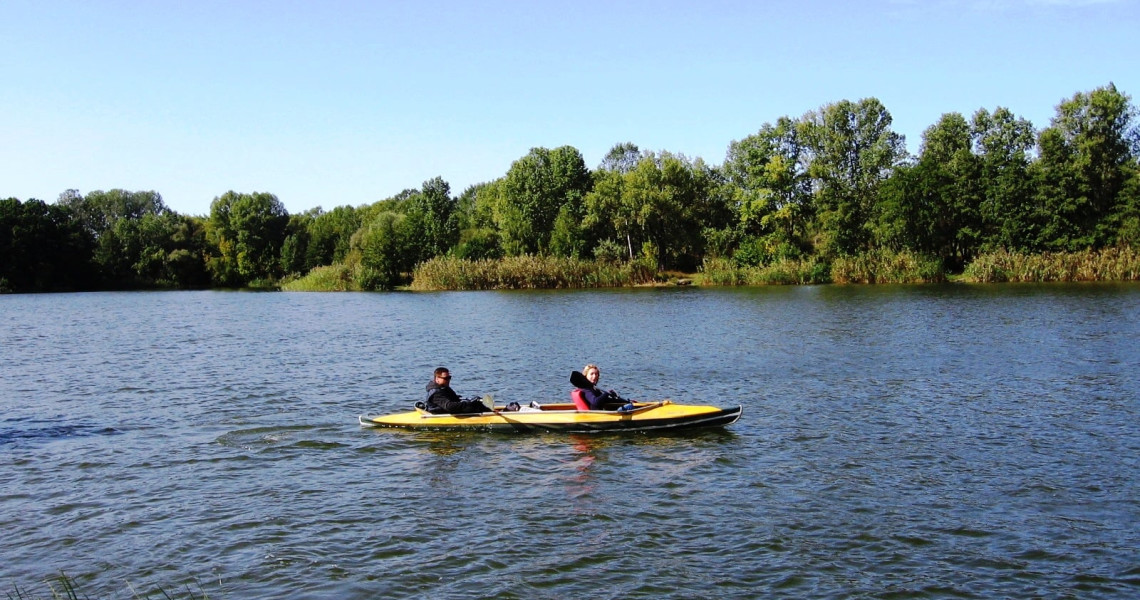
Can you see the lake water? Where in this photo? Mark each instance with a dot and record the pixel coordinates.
(950, 441)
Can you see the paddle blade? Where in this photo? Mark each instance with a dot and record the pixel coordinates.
(579, 380)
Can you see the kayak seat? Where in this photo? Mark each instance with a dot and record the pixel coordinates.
(578, 400)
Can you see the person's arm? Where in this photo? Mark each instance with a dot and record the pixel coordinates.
(445, 401)
(595, 398)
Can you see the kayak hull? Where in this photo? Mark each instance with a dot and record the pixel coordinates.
(646, 416)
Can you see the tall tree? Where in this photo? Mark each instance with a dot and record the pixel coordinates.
(1086, 157)
(432, 219)
(42, 248)
(384, 247)
(665, 201)
(533, 192)
(1003, 142)
(246, 232)
(851, 151)
(603, 216)
(622, 158)
(114, 220)
(934, 205)
(163, 251)
(99, 210)
(329, 236)
(769, 188)
(478, 237)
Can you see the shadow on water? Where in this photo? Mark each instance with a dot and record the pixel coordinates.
(27, 432)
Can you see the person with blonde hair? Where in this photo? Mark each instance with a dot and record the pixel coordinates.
(586, 395)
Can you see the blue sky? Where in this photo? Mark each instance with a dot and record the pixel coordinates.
(346, 102)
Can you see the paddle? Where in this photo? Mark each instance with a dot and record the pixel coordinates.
(579, 380)
(489, 401)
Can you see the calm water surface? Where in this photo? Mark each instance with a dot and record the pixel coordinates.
(901, 442)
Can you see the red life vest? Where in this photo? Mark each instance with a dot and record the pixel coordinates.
(578, 400)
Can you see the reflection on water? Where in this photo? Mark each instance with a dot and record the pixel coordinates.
(905, 441)
(578, 483)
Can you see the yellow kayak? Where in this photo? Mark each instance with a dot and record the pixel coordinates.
(644, 416)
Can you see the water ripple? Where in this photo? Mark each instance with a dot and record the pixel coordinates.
(898, 442)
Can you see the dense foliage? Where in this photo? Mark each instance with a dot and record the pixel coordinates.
(830, 196)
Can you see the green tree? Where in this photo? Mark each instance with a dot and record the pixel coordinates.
(432, 220)
(330, 235)
(475, 207)
(954, 213)
(1086, 157)
(43, 248)
(99, 210)
(295, 247)
(114, 220)
(622, 158)
(933, 206)
(902, 215)
(533, 193)
(851, 150)
(383, 245)
(769, 191)
(1003, 143)
(165, 250)
(1128, 217)
(567, 237)
(604, 218)
(246, 231)
(665, 202)
(185, 261)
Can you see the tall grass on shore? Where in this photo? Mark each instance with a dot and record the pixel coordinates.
(885, 266)
(526, 272)
(879, 266)
(1109, 264)
(874, 267)
(724, 271)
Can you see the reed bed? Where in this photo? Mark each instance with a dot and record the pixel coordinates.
(724, 271)
(878, 266)
(1110, 264)
(526, 272)
(874, 267)
(885, 266)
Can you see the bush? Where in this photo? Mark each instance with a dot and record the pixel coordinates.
(609, 252)
(333, 278)
(479, 243)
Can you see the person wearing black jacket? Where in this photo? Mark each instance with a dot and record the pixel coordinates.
(595, 397)
(442, 399)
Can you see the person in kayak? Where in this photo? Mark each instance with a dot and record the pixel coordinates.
(592, 397)
(442, 399)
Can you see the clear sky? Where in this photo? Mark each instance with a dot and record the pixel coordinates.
(346, 102)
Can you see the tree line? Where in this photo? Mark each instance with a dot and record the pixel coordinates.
(836, 182)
